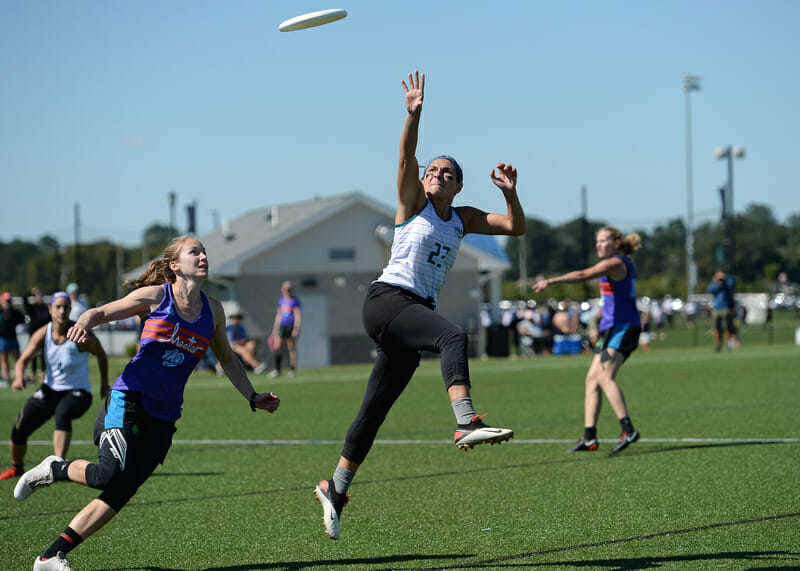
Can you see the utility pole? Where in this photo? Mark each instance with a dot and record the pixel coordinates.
(690, 83)
(729, 153)
(76, 255)
(585, 236)
(171, 198)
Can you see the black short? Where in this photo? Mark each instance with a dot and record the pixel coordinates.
(45, 404)
(132, 443)
(622, 338)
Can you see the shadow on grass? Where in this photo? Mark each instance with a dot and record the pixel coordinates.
(641, 562)
(387, 563)
(737, 559)
(694, 446)
(159, 474)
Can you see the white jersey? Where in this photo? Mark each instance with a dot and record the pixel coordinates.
(423, 251)
(67, 366)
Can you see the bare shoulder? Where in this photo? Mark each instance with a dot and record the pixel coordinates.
(37, 338)
(474, 219)
(217, 311)
(150, 295)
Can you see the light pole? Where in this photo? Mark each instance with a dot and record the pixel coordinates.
(690, 83)
(729, 153)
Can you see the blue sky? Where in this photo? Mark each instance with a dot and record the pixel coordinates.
(112, 105)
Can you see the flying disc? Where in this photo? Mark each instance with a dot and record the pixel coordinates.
(312, 19)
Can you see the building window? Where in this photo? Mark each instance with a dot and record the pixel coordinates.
(341, 254)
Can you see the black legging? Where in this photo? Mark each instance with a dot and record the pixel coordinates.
(402, 324)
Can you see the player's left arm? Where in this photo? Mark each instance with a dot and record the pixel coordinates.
(233, 367)
(512, 223)
(297, 318)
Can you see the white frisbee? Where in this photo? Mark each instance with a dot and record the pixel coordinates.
(312, 19)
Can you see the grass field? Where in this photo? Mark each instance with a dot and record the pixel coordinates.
(712, 484)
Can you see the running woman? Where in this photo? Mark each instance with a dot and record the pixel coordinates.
(134, 429)
(619, 327)
(65, 393)
(400, 307)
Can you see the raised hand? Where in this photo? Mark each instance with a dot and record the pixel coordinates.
(415, 91)
(506, 178)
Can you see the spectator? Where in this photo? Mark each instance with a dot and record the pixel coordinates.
(38, 315)
(723, 310)
(242, 345)
(644, 336)
(666, 309)
(78, 307)
(9, 346)
(691, 312)
(657, 319)
(565, 318)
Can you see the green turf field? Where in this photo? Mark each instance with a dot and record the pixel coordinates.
(712, 484)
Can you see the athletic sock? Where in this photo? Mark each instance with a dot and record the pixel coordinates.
(626, 425)
(60, 472)
(463, 410)
(589, 432)
(65, 543)
(278, 363)
(342, 479)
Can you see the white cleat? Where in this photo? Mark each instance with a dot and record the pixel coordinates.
(57, 563)
(35, 478)
(332, 505)
(477, 432)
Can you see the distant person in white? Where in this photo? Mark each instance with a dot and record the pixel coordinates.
(78, 307)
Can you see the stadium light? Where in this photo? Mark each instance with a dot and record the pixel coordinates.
(729, 153)
(690, 83)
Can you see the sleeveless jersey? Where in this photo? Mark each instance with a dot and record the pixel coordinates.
(619, 299)
(170, 349)
(67, 367)
(423, 251)
(286, 307)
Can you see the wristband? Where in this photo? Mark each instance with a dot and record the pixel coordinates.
(252, 400)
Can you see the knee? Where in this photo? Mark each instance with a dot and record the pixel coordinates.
(63, 422)
(115, 499)
(594, 379)
(19, 437)
(453, 337)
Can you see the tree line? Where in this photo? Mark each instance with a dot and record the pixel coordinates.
(97, 267)
(764, 249)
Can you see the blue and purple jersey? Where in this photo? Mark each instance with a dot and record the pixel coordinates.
(170, 349)
(619, 299)
(286, 307)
